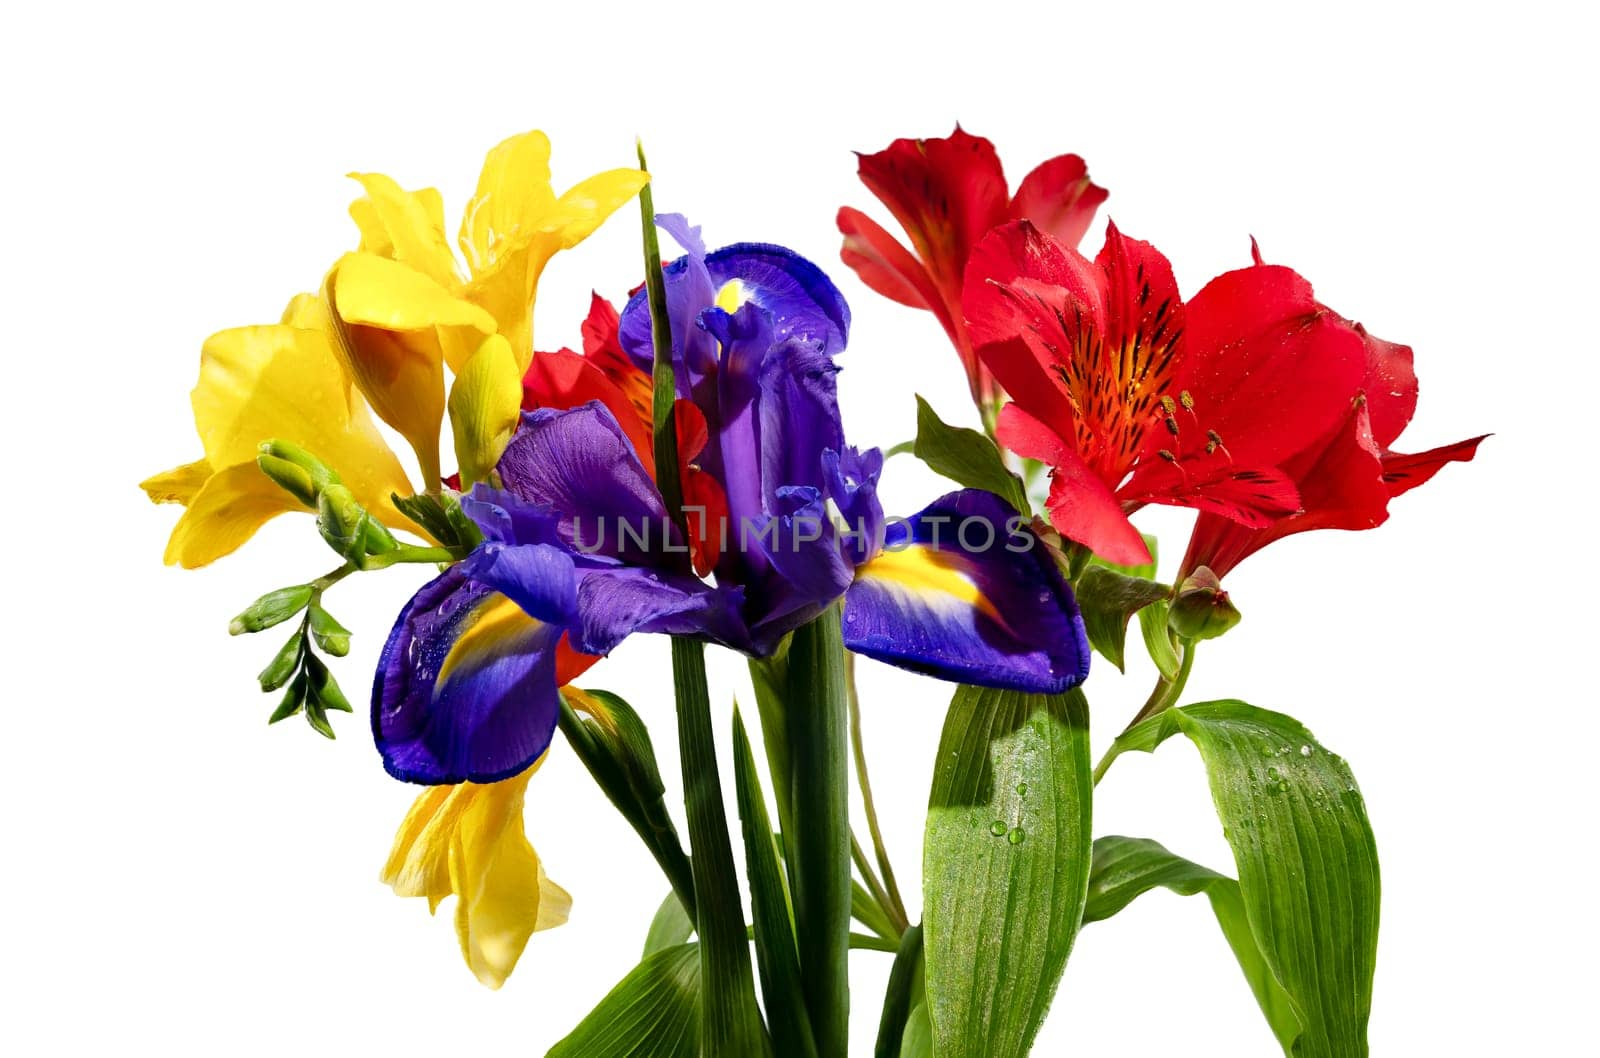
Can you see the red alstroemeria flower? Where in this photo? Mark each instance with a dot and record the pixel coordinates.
(1133, 396)
(1347, 477)
(604, 372)
(948, 194)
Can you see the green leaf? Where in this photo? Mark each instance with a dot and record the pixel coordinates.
(1126, 868)
(330, 635)
(670, 927)
(864, 908)
(1307, 862)
(966, 457)
(819, 844)
(776, 955)
(905, 990)
(1005, 866)
(730, 1021)
(918, 1039)
(614, 744)
(1107, 599)
(651, 1013)
(273, 608)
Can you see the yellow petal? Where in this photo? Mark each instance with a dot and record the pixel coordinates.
(177, 485)
(468, 841)
(224, 513)
(485, 406)
(407, 226)
(586, 206)
(513, 188)
(393, 325)
(279, 382)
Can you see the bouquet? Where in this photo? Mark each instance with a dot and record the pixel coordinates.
(687, 474)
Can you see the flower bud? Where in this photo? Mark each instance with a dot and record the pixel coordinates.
(347, 527)
(319, 473)
(273, 608)
(290, 478)
(1201, 609)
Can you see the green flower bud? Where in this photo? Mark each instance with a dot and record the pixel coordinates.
(320, 473)
(1201, 609)
(291, 478)
(330, 635)
(283, 664)
(273, 608)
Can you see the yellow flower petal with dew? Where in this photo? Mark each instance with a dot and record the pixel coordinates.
(515, 223)
(485, 407)
(468, 841)
(276, 381)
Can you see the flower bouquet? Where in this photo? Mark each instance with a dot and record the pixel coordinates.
(687, 474)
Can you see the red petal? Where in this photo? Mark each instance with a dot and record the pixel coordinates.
(1255, 496)
(886, 266)
(1269, 370)
(569, 663)
(1402, 473)
(1390, 386)
(1081, 507)
(603, 348)
(563, 380)
(946, 194)
(1027, 298)
(1341, 487)
(1059, 198)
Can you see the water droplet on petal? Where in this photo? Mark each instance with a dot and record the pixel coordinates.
(1016, 837)
(1022, 789)
(1305, 751)
(997, 828)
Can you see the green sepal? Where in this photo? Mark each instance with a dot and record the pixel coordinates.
(966, 457)
(329, 635)
(281, 669)
(1107, 599)
(440, 516)
(653, 1012)
(273, 608)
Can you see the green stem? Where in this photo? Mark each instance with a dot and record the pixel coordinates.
(895, 908)
(407, 553)
(869, 942)
(818, 721)
(1163, 697)
(727, 1028)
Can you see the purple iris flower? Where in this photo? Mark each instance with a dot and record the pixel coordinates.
(578, 542)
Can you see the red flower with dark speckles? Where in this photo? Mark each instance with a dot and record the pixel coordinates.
(948, 194)
(1133, 396)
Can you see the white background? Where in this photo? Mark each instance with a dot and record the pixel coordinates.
(180, 877)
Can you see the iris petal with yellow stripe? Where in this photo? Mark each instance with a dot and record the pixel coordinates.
(466, 687)
(964, 591)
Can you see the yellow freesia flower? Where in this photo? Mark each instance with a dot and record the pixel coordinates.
(467, 841)
(405, 309)
(279, 381)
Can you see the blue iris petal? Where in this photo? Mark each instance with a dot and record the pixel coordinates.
(964, 591)
(465, 690)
